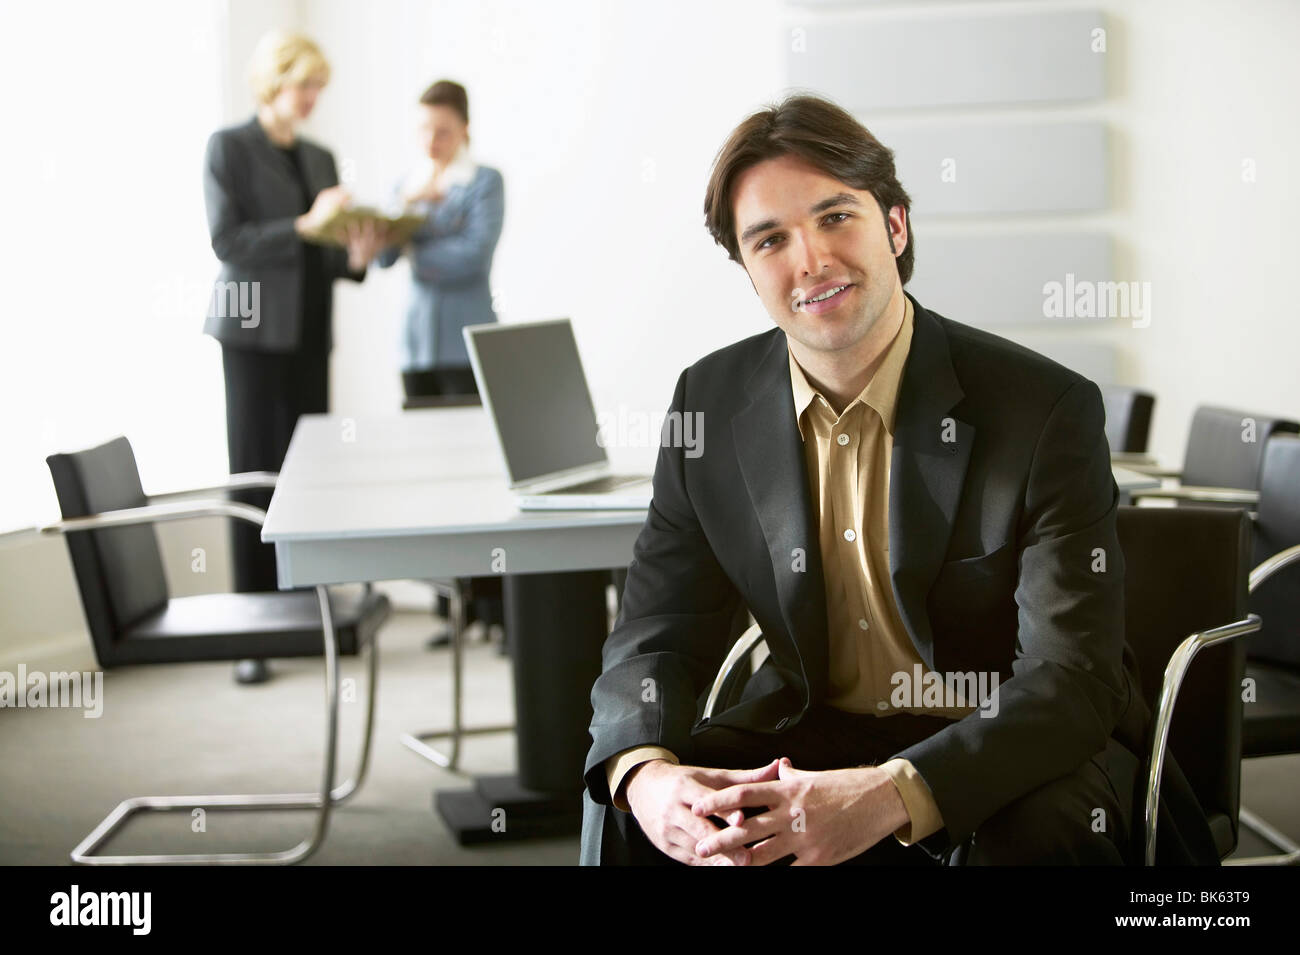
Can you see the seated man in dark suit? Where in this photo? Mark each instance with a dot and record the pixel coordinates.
(920, 518)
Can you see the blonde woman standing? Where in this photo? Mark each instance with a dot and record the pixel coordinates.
(265, 187)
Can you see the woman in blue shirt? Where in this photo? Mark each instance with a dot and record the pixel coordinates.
(451, 262)
(451, 253)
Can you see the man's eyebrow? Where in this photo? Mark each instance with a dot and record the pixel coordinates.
(839, 199)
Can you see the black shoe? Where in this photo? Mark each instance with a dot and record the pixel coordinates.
(438, 641)
(252, 671)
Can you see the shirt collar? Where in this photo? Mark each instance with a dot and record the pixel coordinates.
(459, 171)
(880, 393)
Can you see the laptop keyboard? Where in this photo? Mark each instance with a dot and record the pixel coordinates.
(609, 483)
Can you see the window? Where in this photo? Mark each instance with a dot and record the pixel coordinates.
(107, 264)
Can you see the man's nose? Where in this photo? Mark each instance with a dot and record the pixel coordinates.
(813, 254)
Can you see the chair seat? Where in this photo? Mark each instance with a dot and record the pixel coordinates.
(212, 627)
(1272, 723)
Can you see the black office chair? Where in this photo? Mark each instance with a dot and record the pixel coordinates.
(1128, 420)
(1185, 584)
(1272, 725)
(1185, 598)
(133, 620)
(1223, 459)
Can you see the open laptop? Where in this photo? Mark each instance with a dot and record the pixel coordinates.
(531, 381)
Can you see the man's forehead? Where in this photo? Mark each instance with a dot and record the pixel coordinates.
(768, 192)
(780, 175)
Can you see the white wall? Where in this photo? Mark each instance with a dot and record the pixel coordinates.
(1209, 86)
(604, 118)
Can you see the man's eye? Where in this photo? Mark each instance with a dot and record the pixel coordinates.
(845, 215)
(762, 245)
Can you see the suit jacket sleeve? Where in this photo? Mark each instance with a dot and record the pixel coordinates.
(467, 253)
(673, 631)
(236, 239)
(1067, 688)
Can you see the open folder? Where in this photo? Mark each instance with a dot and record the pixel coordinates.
(334, 230)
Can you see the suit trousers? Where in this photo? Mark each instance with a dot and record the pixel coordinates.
(1080, 819)
(266, 392)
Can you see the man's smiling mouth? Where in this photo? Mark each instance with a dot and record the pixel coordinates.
(798, 303)
(825, 295)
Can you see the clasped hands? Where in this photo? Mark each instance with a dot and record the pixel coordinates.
(821, 818)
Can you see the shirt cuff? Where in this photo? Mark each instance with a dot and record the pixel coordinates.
(620, 764)
(922, 810)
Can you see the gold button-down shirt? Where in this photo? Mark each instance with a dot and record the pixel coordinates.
(848, 458)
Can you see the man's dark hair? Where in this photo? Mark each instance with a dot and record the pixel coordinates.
(823, 135)
(448, 93)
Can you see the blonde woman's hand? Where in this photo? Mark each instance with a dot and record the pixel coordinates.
(364, 242)
(327, 202)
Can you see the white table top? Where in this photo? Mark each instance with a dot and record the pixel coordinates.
(1132, 480)
(424, 471)
(422, 494)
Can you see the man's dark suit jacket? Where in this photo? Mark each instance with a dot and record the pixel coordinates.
(252, 198)
(1001, 492)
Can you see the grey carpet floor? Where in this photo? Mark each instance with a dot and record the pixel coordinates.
(189, 729)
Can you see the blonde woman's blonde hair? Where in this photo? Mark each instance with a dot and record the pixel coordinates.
(285, 59)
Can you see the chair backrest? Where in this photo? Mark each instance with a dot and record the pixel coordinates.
(1277, 600)
(1185, 571)
(1225, 447)
(1128, 418)
(119, 570)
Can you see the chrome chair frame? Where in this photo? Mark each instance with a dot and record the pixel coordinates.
(1175, 671)
(329, 795)
(1287, 847)
(416, 742)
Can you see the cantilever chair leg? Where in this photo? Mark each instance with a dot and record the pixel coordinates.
(416, 742)
(322, 801)
(348, 788)
(1278, 840)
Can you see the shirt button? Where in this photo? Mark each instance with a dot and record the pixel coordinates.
(843, 439)
(864, 625)
(850, 535)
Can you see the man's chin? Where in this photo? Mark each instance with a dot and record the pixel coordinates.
(826, 336)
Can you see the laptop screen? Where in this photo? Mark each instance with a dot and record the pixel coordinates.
(531, 379)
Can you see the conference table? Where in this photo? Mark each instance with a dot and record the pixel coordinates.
(422, 494)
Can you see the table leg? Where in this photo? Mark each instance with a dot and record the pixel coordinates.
(557, 625)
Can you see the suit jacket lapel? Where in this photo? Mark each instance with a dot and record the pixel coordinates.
(772, 462)
(930, 454)
(315, 174)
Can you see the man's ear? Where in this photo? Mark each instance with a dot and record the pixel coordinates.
(896, 230)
